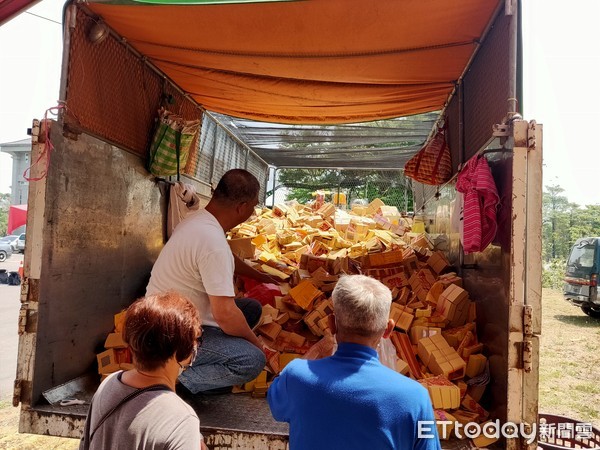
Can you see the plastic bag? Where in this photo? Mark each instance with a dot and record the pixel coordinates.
(265, 293)
(387, 353)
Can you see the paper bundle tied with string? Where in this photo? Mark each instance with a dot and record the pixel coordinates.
(171, 144)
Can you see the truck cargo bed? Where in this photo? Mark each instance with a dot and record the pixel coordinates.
(224, 419)
(238, 412)
(234, 421)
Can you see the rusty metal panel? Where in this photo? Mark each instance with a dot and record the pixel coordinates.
(50, 423)
(35, 205)
(28, 313)
(96, 254)
(533, 290)
(245, 441)
(518, 281)
(531, 387)
(534, 223)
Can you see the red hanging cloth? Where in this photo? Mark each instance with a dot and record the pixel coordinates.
(475, 181)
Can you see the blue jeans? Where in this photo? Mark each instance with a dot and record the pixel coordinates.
(225, 360)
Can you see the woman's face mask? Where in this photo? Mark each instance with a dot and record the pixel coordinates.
(183, 367)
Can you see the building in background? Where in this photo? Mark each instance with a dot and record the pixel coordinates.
(21, 157)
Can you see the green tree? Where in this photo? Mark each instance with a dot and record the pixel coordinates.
(354, 145)
(390, 186)
(556, 211)
(4, 207)
(563, 223)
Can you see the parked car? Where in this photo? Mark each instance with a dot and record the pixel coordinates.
(21, 243)
(581, 277)
(12, 240)
(5, 251)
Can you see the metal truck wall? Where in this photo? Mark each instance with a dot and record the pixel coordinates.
(102, 231)
(486, 275)
(505, 279)
(487, 92)
(110, 92)
(483, 98)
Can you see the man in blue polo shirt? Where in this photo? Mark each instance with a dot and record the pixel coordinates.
(350, 400)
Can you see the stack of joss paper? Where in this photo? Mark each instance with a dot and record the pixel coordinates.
(435, 338)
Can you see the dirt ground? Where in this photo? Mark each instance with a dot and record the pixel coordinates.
(569, 361)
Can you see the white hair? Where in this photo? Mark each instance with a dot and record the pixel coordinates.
(361, 305)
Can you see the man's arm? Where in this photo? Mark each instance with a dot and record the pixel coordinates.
(231, 320)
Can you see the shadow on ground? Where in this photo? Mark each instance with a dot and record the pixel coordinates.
(580, 321)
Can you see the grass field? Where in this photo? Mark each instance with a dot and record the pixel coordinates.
(10, 439)
(569, 369)
(569, 361)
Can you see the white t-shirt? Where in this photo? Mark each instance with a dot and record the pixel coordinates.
(195, 261)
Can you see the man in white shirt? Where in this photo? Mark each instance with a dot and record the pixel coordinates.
(197, 262)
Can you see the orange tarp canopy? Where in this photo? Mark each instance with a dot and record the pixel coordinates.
(314, 61)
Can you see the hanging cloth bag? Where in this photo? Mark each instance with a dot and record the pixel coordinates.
(432, 164)
(171, 144)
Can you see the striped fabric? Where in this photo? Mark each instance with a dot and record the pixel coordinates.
(475, 181)
(173, 137)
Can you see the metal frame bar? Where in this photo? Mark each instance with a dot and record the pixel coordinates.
(518, 269)
(266, 185)
(274, 187)
(533, 276)
(340, 168)
(211, 171)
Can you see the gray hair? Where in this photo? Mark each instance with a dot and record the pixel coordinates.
(237, 186)
(361, 305)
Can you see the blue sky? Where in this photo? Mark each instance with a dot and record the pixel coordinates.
(561, 87)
